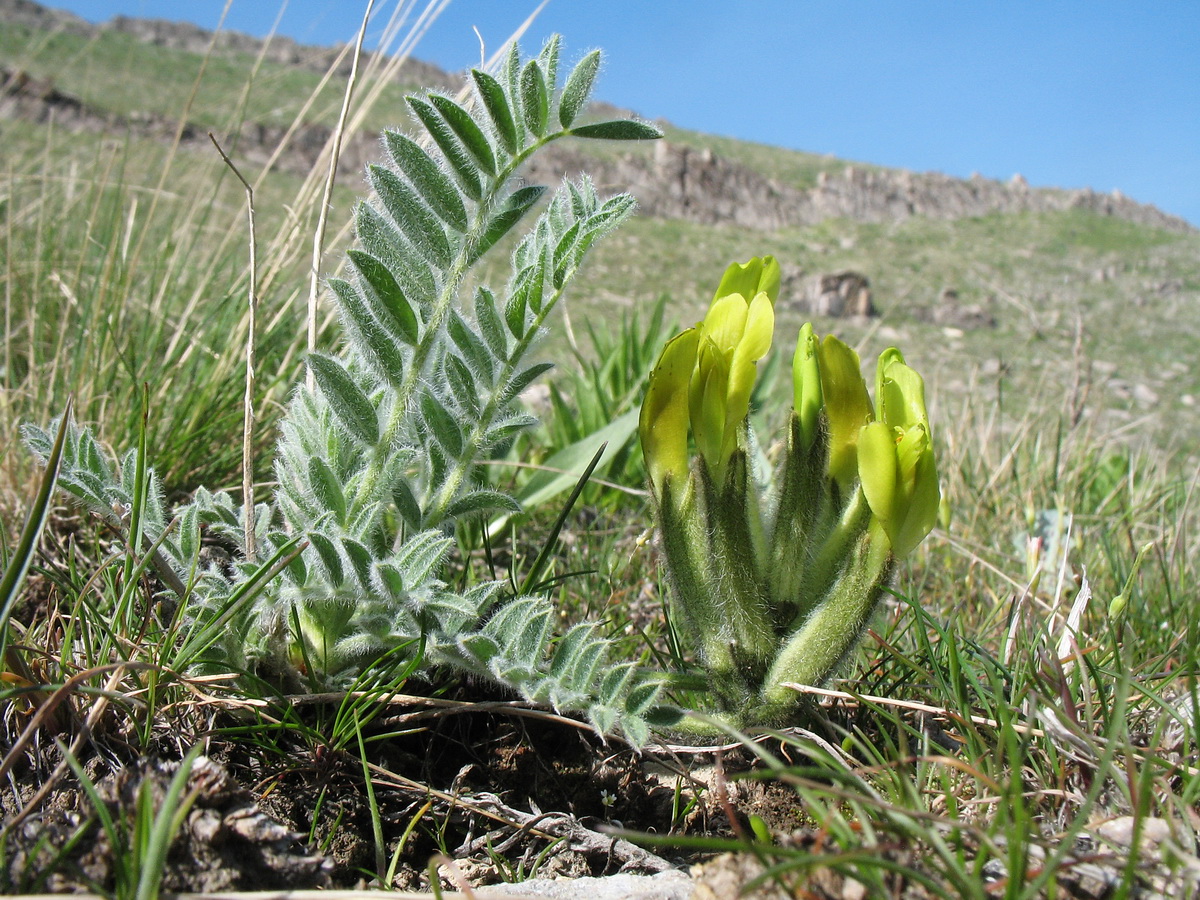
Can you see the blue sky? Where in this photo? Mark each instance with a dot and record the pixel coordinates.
(1070, 93)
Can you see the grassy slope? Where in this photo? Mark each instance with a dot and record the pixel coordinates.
(76, 209)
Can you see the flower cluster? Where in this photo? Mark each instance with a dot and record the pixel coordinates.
(774, 576)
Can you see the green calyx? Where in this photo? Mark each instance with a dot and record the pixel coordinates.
(774, 586)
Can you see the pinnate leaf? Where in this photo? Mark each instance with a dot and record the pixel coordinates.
(350, 405)
(456, 155)
(578, 88)
(618, 130)
(534, 98)
(496, 104)
(511, 211)
(427, 177)
(468, 131)
(394, 311)
(411, 214)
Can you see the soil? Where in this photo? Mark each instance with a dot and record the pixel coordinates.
(506, 795)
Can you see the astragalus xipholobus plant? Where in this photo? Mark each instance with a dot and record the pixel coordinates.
(773, 575)
(381, 454)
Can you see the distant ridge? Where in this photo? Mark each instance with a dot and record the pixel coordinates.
(670, 181)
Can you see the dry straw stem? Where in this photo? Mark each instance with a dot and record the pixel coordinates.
(1056, 735)
(251, 339)
(334, 155)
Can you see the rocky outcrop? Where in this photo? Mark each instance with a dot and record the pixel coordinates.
(669, 180)
(834, 294)
(680, 182)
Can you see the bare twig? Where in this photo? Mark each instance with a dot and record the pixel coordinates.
(251, 337)
(322, 219)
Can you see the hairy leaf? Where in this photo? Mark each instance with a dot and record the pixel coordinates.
(462, 383)
(510, 212)
(578, 88)
(535, 100)
(326, 488)
(523, 379)
(481, 501)
(393, 310)
(468, 131)
(496, 104)
(433, 184)
(406, 503)
(360, 560)
(472, 347)
(548, 58)
(490, 325)
(411, 214)
(384, 241)
(619, 130)
(382, 351)
(442, 424)
(331, 560)
(350, 405)
(456, 155)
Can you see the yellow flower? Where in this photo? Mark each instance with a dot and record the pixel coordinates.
(847, 407)
(734, 336)
(895, 457)
(664, 418)
(807, 397)
(705, 375)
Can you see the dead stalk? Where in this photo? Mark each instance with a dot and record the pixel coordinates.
(251, 336)
(335, 153)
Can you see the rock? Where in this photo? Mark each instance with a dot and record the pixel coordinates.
(950, 312)
(1120, 831)
(673, 885)
(839, 294)
(1144, 395)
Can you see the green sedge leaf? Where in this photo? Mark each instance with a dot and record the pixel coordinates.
(393, 310)
(578, 88)
(379, 348)
(349, 404)
(409, 212)
(456, 155)
(326, 488)
(428, 179)
(442, 424)
(496, 104)
(618, 130)
(534, 98)
(511, 211)
(468, 131)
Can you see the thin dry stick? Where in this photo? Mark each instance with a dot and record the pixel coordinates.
(319, 238)
(251, 336)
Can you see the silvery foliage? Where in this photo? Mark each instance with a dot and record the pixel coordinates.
(379, 460)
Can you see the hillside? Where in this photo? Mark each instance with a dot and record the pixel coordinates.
(976, 275)
(990, 611)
